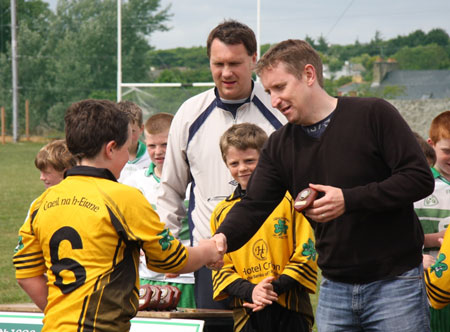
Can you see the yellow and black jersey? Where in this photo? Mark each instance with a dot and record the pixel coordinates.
(283, 245)
(437, 277)
(85, 234)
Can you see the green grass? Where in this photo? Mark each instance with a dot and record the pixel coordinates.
(19, 186)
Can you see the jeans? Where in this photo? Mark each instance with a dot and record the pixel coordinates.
(397, 304)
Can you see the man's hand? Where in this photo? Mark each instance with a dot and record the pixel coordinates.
(215, 260)
(221, 244)
(328, 207)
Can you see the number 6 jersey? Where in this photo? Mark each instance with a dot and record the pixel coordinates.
(85, 234)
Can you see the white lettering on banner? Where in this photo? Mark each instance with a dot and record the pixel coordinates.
(32, 322)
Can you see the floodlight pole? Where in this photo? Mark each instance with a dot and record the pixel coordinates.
(258, 29)
(15, 94)
(119, 50)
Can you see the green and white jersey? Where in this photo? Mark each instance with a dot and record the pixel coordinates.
(141, 161)
(434, 210)
(149, 183)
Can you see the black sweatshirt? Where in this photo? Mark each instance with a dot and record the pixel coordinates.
(368, 151)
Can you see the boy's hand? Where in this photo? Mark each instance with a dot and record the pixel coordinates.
(262, 295)
(214, 256)
(427, 261)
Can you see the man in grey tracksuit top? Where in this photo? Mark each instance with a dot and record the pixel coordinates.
(193, 153)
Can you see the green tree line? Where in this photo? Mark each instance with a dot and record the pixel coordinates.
(70, 54)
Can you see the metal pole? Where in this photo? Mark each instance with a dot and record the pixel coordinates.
(258, 29)
(119, 50)
(15, 94)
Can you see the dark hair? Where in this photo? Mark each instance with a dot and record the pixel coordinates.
(427, 150)
(295, 55)
(92, 123)
(232, 32)
(242, 136)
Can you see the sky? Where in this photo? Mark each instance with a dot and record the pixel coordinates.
(339, 21)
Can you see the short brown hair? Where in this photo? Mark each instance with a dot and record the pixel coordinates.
(158, 123)
(242, 136)
(134, 110)
(427, 150)
(55, 154)
(232, 32)
(440, 127)
(295, 55)
(91, 123)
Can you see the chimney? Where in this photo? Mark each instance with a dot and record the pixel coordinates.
(381, 68)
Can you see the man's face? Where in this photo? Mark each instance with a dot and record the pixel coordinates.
(156, 147)
(231, 69)
(50, 176)
(442, 149)
(288, 93)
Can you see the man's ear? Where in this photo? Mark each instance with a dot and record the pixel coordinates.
(109, 149)
(310, 74)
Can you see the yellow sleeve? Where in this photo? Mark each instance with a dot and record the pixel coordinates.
(302, 265)
(227, 274)
(163, 252)
(437, 277)
(28, 258)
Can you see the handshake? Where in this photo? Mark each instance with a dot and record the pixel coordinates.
(216, 247)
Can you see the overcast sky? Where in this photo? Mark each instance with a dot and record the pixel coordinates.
(339, 21)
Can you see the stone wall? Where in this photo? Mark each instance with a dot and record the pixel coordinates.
(420, 113)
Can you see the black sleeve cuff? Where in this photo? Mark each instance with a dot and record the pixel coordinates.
(242, 289)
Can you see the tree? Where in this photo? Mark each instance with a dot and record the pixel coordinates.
(73, 55)
(423, 57)
(437, 36)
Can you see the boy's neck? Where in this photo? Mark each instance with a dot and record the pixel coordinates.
(443, 174)
(158, 171)
(132, 151)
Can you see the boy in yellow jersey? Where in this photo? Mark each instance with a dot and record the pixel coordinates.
(269, 278)
(78, 251)
(434, 214)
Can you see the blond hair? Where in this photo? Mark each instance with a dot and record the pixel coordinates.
(134, 111)
(55, 154)
(158, 123)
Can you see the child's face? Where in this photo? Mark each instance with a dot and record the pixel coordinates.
(241, 164)
(136, 132)
(120, 156)
(50, 176)
(442, 149)
(156, 147)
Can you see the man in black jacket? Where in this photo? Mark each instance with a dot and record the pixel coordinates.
(362, 158)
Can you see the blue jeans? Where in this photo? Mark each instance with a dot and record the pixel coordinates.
(394, 305)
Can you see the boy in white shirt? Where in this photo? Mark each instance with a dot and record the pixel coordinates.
(148, 182)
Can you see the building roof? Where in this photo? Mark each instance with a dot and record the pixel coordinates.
(419, 84)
